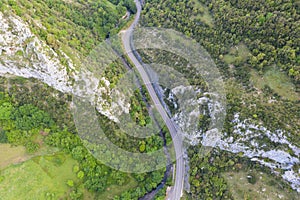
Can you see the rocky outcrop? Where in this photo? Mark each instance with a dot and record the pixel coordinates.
(269, 148)
(23, 54)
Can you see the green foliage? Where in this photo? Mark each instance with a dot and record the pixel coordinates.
(80, 174)
(75, 168)
(97, 177)
(1, 178)
(72, 27)
(76, 195)
(179, 63)
(266, 185)
(205, 174)
(244, 36)
(78, 153)
(277, 81)
(125, 141)
(208, 175)
(268, 29)
(28, 117)
(31, 147)
(5, 110)
(45, 98)
(114, 72)
(3, 137)
(138, 108)
(142, 146)
(5, 106)
(80, 25)
(147, 182)
(93, 175)
(19, 124)
(70, 183)
(17, 137)
(21, 137)
(130, 5)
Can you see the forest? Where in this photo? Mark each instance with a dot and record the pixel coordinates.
(247, 40)
(45, 118)
(268, 28)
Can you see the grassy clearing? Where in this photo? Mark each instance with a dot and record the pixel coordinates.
(265, 187)
(203, 14)
(11, 155)
(115, 190)
(237, 53)
(43, 177)
(16, 154)
(29, 176)
(277, 81)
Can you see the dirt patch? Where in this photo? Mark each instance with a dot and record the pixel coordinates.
(17, 154)
(12, 155)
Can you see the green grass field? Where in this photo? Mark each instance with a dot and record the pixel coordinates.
(277, 81)
(42, 177)
(266, 187)
(11, 155)
(237, 53)
(205, 15)
(17, 154)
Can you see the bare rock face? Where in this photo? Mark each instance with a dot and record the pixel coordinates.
(254, 142)
(270, 148)
(23, 54)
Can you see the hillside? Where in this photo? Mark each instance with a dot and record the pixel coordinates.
(255, 46)
(63, 74)
(43, 45)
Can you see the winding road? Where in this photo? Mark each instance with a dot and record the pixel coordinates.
(177, 189)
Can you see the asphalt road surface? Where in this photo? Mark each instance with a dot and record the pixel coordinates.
(177, 189)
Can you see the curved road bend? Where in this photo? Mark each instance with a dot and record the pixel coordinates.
(177, 189)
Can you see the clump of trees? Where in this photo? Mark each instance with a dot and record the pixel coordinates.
(24, 116)
(79, 24)
(45, 98)
(28, 116)
(20, 125)
(129, 4)
(269, 29)
(205, 174)
(114, 72)
(138, 109)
